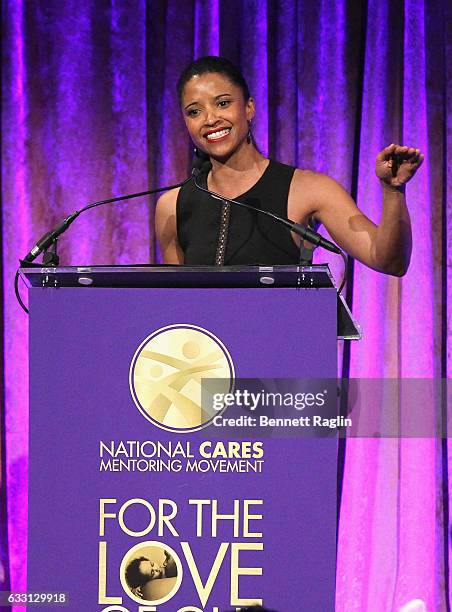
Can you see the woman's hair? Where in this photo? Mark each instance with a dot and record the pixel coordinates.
(209, 64)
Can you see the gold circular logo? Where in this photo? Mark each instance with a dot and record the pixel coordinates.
(173, 373)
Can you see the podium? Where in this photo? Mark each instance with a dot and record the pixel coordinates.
(127, 467)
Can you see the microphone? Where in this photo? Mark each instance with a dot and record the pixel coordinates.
(200, 164)
(198, 167)
(297, 228)
(49, 238)
(206, 167)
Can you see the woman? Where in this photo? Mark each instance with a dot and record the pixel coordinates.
(218, 111)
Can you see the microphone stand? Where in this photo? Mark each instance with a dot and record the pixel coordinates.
(302, 231)
(50, 238)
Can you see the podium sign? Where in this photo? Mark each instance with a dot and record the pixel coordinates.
(133, 504)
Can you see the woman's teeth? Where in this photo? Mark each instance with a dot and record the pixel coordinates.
(220, 134)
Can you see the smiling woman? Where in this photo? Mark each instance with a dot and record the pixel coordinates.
(191, 226)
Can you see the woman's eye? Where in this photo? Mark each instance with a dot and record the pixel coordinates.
(224, 103)
(193, 112)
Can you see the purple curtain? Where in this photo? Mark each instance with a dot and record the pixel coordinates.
(89, 109)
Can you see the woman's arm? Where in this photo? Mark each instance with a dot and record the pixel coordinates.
(166, 228)
(385, 247)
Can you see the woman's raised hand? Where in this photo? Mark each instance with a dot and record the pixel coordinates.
(397, 164)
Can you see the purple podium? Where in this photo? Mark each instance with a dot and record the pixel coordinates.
(141, 496)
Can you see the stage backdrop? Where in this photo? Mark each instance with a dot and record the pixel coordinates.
(89, 110)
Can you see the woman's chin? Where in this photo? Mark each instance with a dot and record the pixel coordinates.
(222, 154)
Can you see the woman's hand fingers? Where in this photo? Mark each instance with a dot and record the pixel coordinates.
(386, 153)
(397, 164)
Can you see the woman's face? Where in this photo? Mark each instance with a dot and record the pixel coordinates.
(215, 113)
(151, 570)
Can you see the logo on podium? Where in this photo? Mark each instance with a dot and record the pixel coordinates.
(167, 372)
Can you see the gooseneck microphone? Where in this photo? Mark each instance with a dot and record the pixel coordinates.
(49, 238)
(199, 166)
(297, 228)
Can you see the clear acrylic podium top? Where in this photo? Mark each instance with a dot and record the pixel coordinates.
(176, 276)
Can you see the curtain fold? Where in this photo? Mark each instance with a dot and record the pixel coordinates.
(89, 110)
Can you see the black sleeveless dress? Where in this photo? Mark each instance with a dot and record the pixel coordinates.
(252, 238)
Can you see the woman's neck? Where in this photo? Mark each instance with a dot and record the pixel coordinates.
(238, 173)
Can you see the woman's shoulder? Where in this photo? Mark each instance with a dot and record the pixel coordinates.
(166, 206)
(169, 197)
(304, 174)
(313, 181)
(311, 192)
(300, 175)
